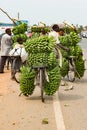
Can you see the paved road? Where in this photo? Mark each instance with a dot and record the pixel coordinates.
(74, 102)
(83, 43)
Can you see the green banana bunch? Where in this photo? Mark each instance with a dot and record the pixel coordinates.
(21, 28)
(54, 81)
(27, 81)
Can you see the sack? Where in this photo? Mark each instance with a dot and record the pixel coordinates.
(19, 52)
(15, 52)
(24, 55)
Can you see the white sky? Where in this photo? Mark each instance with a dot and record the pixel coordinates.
(47, 11)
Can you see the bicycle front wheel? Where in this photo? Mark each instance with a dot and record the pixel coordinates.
(41, 84)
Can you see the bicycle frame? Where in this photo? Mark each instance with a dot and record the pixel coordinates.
(42, 78)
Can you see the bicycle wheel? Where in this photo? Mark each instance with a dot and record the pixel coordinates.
(17, 76)
(71, 72)
(15, 71)
(41, 84)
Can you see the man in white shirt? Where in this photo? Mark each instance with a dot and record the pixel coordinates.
(6, 44)
(56, 32)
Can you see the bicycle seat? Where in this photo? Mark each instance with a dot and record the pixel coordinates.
(39, 67)
(15, 56)
(70, 57)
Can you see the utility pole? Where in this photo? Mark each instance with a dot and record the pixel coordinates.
(18, 16)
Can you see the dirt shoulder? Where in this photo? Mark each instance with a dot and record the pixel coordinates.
(4, 80)
(22, 113)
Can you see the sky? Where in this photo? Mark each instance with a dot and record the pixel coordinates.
(47, 11)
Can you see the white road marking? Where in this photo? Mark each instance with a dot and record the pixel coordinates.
(58, 113)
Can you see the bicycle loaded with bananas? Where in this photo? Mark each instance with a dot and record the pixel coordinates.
(73, 64)
(41, 56)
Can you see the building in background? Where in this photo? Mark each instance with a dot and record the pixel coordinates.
(3, 26)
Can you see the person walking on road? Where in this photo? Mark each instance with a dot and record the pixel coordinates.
(6, 45)
(56, 33)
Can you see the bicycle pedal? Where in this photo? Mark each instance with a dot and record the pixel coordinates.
(71, 87)
(12, 78)
(26, 95)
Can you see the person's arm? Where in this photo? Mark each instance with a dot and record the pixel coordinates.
(63, 47)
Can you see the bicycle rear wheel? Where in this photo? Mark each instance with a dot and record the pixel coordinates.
(71, 73)
(17, 76)
(71, 76)
(15, 71)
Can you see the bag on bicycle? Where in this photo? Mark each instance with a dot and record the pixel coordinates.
(19, 52)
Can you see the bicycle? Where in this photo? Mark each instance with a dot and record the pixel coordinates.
(15, 69)
(41, 76)
(72, 69)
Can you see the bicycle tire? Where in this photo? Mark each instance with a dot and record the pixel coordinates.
(41, 84)
(17, 76)
(71, 76)
(71, 72)
(15, 71)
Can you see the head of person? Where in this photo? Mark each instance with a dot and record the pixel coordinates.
(61, 31)
(43, 32)
(8, 31)
(55, 27)
(20, 40)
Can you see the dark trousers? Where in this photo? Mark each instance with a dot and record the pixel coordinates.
(3, 62)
